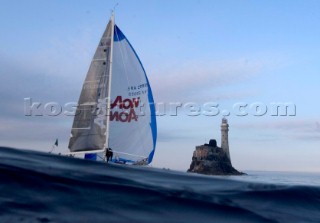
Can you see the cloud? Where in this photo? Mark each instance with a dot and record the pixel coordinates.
(169, 135)
(18, 83)
(34, 129)
(318, 126)
(204, 80)
(303, 129)
(309, 137)
(304, 125)
(53, 71)
(164, 136)
(62, 56)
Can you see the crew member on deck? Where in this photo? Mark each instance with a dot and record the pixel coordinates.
(109, 154)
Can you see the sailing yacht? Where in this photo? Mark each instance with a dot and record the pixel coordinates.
(116, 108)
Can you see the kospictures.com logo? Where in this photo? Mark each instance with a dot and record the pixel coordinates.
(161, 108)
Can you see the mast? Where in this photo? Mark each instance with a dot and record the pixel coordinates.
(109, 84)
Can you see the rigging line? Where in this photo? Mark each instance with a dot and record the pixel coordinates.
(108, 107)
(100, 156)
(129, 154)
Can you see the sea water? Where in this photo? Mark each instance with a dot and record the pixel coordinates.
(280, 178)
(40, 187)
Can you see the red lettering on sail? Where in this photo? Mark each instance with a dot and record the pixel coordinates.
(126, 103)
(126, 112)
(123, 116)
(136, 101)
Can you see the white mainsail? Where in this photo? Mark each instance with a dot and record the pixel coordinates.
(127, 122)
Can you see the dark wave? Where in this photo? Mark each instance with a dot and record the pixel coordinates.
(39, 187)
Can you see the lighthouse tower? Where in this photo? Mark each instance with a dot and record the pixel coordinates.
(224, 137)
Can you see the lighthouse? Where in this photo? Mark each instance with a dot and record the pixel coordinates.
(213, 160)
(224, 137)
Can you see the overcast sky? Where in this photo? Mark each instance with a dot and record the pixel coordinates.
(224, 52)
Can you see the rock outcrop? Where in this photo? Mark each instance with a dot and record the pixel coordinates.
(212, 160)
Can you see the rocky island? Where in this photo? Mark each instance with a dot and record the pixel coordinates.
(213, 160)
